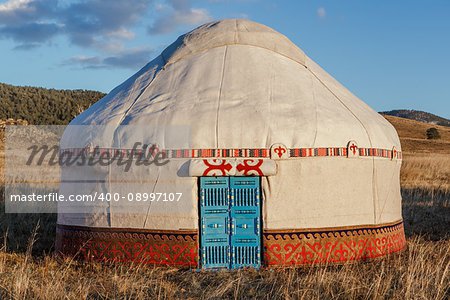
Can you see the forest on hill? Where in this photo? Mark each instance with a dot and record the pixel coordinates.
(43, 106)
(418, 115)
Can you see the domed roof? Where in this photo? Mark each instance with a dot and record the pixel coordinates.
(232, 32)
(234, 84)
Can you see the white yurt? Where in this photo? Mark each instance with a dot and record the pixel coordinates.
(264, 160)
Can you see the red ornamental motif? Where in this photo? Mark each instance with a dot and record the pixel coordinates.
(279, 151)
(221, 168)
(250, 167)
(305, 248)
(153, 150)
(394, 153)
(176, 249)
(353, 147)
(180, 248)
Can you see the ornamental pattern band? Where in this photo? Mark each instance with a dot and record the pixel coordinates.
(232, 153)
(333, 246)
(176, 248)
(281, 247)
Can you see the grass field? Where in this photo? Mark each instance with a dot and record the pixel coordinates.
(28, 269)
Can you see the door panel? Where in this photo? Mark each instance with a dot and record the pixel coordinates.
(245, 226)
(215, 222)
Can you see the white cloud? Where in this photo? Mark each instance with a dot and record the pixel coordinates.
(86, 23)
(99, 22)
(13, 5)
(321, 12)
(84, 60)
(181, 13)
(192, 17)
(127, 59)
(122, 33)
(102, 25)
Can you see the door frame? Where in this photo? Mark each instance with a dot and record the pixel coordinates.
(261, 221)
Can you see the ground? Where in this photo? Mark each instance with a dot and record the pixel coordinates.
(29, 270)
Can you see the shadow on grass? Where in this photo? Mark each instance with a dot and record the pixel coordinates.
(426, 213)
(18, 228)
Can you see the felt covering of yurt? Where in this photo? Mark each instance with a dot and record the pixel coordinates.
(235, 91)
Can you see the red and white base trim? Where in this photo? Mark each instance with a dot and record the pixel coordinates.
(294, 247)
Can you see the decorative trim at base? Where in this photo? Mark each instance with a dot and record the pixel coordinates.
(175, 248)
(294, 247)
(332, 245)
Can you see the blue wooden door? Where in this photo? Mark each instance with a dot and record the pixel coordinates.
(230, 222)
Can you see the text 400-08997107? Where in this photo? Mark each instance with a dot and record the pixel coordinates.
(140, 197)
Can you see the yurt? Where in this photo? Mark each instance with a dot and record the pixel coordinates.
(264, 160)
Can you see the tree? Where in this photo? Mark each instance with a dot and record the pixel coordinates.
(433, 134)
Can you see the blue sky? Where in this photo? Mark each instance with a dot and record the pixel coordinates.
(392, 54)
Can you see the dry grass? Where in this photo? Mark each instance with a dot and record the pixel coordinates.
(28, 270)
(426, 163)
(431, 173)
(421, 272)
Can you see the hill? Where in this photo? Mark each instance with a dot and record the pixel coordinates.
(418, 115)
(426, 163)
(414, 139)
(42, 106)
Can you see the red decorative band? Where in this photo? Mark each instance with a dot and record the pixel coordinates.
(231, 153)
(376, 152)
(307, 152)
(333, 245)
(176, 248)
(281, 247)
